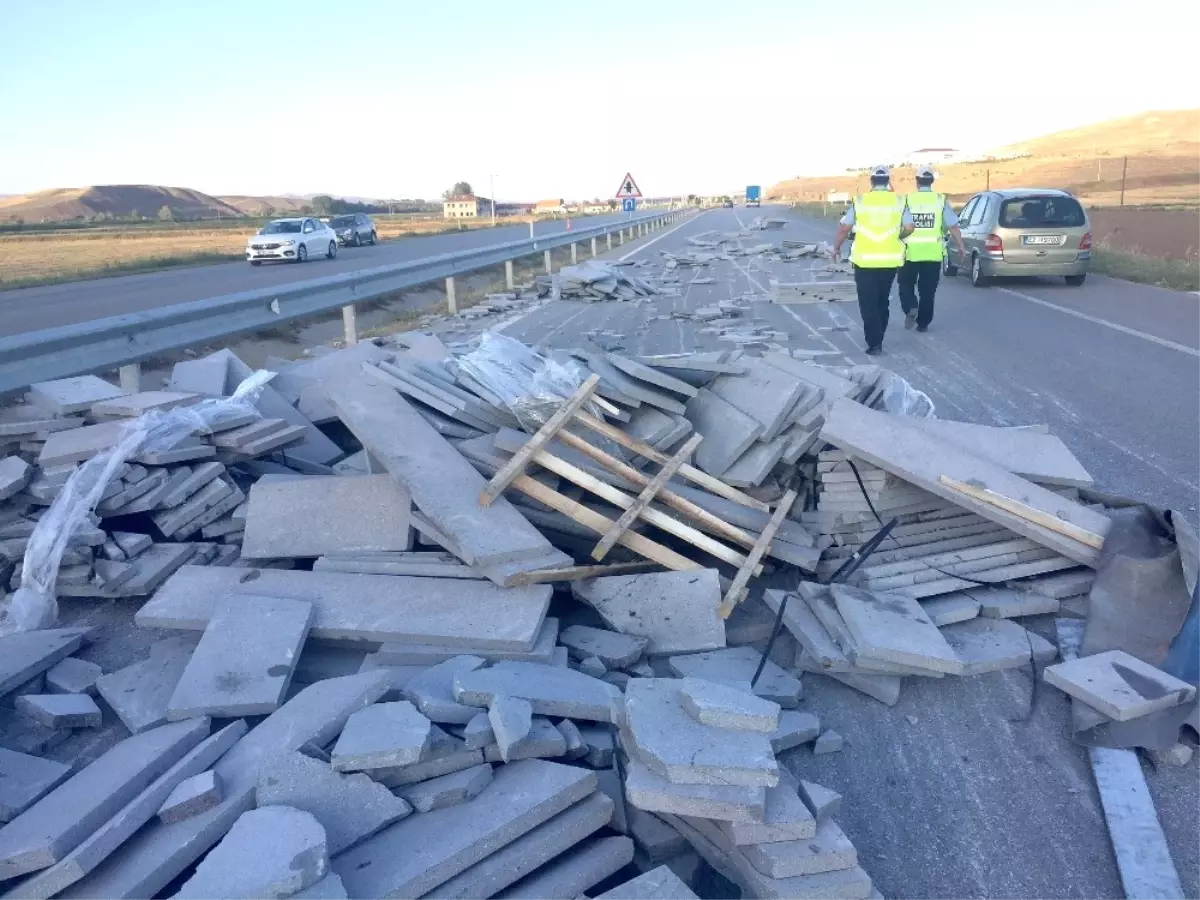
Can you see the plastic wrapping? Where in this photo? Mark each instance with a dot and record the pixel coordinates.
(898, 396)
(34, 605)
(532, 386)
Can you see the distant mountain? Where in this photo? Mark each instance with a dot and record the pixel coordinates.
(116, 200)
(1167, 132)
(264, 206)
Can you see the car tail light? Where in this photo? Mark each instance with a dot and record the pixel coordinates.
(1085, 242)
(994, 244)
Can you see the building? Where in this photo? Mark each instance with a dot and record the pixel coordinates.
(466, 206)
(550, 207)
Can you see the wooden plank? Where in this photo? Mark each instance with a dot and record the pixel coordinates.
(516, 465)
(620, 499)
(680, 504)
(656, 484)
(589, 518)
(690, 472)
(737, 590)
(578, 573)
(1026, 512)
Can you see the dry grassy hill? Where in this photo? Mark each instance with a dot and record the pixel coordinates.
(1163, 149)
(118, 200)
(263, 206)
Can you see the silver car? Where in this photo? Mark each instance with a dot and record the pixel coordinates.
(1023, 232)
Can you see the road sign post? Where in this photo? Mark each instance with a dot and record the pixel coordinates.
(628, 193)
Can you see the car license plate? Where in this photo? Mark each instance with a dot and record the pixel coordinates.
(1052, 240)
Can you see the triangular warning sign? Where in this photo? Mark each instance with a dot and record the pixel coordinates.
(628, 188)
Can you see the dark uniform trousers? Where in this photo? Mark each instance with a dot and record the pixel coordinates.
(873, 287)
(919, 279)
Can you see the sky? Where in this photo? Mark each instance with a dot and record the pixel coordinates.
(402, 98)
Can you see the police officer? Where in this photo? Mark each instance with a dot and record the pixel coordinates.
(879, 219)
(932, 216)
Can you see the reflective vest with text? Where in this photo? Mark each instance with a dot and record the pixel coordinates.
(877, 218)
(925, 243)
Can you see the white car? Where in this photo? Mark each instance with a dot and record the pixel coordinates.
(291, 240)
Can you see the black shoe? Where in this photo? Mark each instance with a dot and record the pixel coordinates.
(910, 320)
(922, 328)
(874, 351)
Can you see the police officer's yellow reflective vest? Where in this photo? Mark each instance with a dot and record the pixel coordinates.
(925, 243)
(877, 219)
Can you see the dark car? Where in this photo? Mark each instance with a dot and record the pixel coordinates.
(354, 230)
(728, 204)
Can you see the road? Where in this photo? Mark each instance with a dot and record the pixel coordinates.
(48, 306)
(960, 790)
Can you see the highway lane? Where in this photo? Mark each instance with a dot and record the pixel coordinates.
(960, 790)
(48, 306)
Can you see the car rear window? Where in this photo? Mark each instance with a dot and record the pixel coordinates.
(1041, 212)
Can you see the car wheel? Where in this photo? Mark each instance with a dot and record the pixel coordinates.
(978, 279)
(374, 238)
(332, 251)
(948, 268)
(301, 254)
(1076, 280)
(256, 262)
(357, 240)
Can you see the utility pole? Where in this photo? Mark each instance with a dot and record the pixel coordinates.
(988, 183)
(492, 189)
(1124, 169)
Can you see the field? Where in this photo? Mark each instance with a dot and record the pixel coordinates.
(73, 254)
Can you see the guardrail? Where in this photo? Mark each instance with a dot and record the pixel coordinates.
(122, 342)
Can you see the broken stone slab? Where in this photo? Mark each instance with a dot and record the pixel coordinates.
(447, 754)
(528, 852)
(576, 747)
(795, 728)
(950, 608)
(349, 807)
(1009, 603)
(51, 828)
(894, 628)
(448, 790)
(649, 425)
(728, 432)
(657, 884)
(786, 818)
(551, 690)
(573, 872)
(735, 667)
(271, 852)
(335, 515)
(68, 396)
(989, 645)
(753, 466)
(599, 741)
(723, 706)
(679, 748)
(829, 850)
(365, 607)
(543, 740)
(158, 853)
(415, 856)
(191, 797)
(511, 719)
(15, 473)
(1118, 684)
(26, 654)
(134, 405)
(25, 779)
(21, 734)
(1059, 585)
(676, 611)
(632, 391)
(478, 732)
(649, 791)
(822, 802)
(433, 691)
(61, 710)
(642, 372)
(245, 659)
(655, 839)
(591, 665)
(828, 742)
(73, 676)
(139, 693)
(614, 649)
(381, 736)
(764, 393)
(402, 654)
(884, 688)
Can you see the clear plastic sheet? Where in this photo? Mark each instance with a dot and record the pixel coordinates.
(532, 386)
(34, 605)
(898, 395)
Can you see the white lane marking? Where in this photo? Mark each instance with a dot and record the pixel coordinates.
(1162, 342)
(685, 221)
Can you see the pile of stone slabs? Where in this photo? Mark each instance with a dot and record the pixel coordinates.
(379, 608)
(319, 515)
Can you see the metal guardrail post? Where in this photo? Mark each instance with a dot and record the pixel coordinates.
(350, 324)
(608, 240)
(451, 298)
(593, 248)
(549, 263)
(574, 254)
(509, 281)
(131, 377)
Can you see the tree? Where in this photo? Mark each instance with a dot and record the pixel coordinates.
(322, 205)
(612, 204)
(165, 214)
(460, 189)
(268, 210)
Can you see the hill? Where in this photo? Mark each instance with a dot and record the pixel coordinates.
(113, 200)
(1163, 150)
(264, 206)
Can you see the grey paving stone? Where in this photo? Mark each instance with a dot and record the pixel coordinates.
(139, 693)
(676, 611)
(56, 824)
(133, 405)
(599, 741)
(350, 807)
(893, 627)
(786, 818)
(185, 483)
(433, 691)
(447, 754)
(989, 645)
(415, 856)
(950, 608)
(191, 797)
(614, 649)
(368, 607)
(795, 728)
(79, 444)
(649, 425)
(245, 659)
(645, 373)
(676, 746)
(829, 850)
(576, 746)
(15, 473)
(735, 666)
(570, 874)
(21, 734)
(73, 676)
(328, 888)
(448, 790)
(651, 792)
(608, 782)
(1117, 684)
(396, 653)
(479, 732)
(25, 779)
(24, 654)
(67, 396)
(270, 852)
(655, 839)
(380, 736)
(822, 802)
(632, 387)
(1008, 603)
(728, 432)
(542, 741)
(202, 376)
(61, 710)
(592, 667)
(511, 719)
(552, 690)
(765, 393)
(723, 706)
(828, 742)
(657, 884)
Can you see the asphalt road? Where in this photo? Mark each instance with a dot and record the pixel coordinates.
(48, 306)
(960, 790)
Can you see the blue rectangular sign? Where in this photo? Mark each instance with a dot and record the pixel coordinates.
(629, 204)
